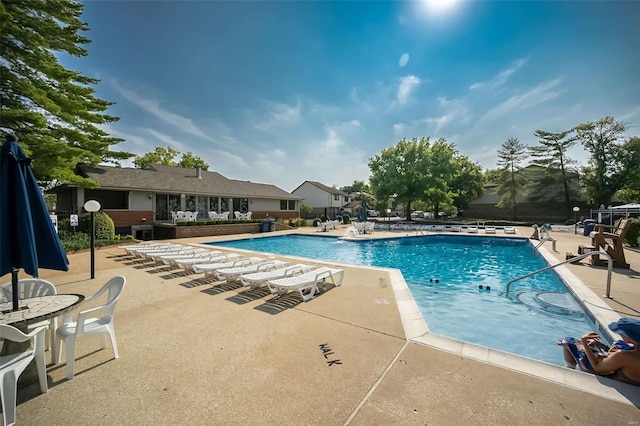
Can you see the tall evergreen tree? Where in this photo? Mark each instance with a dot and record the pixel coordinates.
(53, 110)
(511, 182)
(560, 180)
(602, 177)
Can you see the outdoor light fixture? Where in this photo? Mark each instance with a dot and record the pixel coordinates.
(389, 218)
(576, 209)
(92, 206)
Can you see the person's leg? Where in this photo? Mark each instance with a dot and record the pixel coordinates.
(568, 357)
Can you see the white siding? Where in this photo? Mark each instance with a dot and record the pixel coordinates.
(140, 200)
(316, 197)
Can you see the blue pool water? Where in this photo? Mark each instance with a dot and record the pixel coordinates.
(444, 274)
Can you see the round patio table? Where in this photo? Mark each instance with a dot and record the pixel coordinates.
(31, 311)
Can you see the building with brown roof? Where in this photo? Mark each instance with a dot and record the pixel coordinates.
(137, 198)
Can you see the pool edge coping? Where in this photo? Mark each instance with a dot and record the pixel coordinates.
(417, 330)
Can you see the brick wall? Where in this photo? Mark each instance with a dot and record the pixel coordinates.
(167, 232)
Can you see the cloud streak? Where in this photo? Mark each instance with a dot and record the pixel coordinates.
(500, 79)
(406, 87)
(152, 106)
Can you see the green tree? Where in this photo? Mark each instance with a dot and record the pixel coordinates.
(560, 179)
(190, 161)
(511, 182)
(161, 155)
(467, 183)
(52, 109)
(492, 175)
(630, 159)
(398, 173)
(305, 209)
(440, 172)
(602, 176)
(166, 156)
(361, 191)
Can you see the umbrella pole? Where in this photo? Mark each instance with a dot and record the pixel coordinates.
(14, 288)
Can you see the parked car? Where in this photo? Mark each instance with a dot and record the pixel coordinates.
(417, 213)
(372, 213)
(344, 213)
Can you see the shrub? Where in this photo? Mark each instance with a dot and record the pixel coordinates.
(316, 221)
(301, 222)
(633, 233)
(72, 241)
(105, 229)
(346, 220)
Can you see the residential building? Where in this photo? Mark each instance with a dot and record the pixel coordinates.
(137, 198)
(324, 199)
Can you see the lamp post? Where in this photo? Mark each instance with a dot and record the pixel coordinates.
(389, 219)
(576, 209)
(92, 206)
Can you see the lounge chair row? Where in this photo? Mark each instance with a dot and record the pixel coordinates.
(413, 227)
(279, 276)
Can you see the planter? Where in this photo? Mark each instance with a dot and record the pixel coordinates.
(169, 232)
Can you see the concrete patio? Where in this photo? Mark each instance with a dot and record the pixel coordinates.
(204, 352)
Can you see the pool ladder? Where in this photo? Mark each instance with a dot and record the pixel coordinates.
(542, 241)
(572, 260)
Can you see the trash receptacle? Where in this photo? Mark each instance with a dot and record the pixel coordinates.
(589, 225)
(272, 226)
(264, 226)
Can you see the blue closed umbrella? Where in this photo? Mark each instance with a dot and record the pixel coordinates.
(28, 239)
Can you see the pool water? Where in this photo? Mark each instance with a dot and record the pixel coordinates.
(459, 284)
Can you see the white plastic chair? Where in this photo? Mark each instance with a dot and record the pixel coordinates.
(70, 331)
(12, 366)
(35, 287)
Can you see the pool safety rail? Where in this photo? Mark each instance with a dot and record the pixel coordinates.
(572, 260)
(545, 239)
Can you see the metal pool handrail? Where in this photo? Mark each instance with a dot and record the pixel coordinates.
(573, 259)
(542, 241)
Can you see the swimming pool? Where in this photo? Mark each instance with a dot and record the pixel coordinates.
(459, 284)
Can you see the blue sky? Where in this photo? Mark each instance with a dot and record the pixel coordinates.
(286, 91)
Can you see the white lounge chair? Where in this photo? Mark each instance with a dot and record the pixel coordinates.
(490, 230)
(509, 230)
(210, 268)
(307, 284)
(256, 279)
(212, 258)
(472, 229)
(232, 274)
(167, 259)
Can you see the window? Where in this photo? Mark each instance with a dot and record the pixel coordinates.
(292, 204)
(190, 204)
(283, 204)
(213, 204)
(336, 197)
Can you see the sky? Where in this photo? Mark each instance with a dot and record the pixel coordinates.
(281, 92)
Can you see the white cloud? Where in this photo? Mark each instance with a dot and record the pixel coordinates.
(407, 85)
(500, 78)
(167, 140)
(400, 128)
(539, 94)
(153, 106)
(404, 59)
(279, 115)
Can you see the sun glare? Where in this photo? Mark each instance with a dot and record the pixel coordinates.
(439, 6)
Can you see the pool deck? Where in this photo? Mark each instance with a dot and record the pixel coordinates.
(204, 352)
